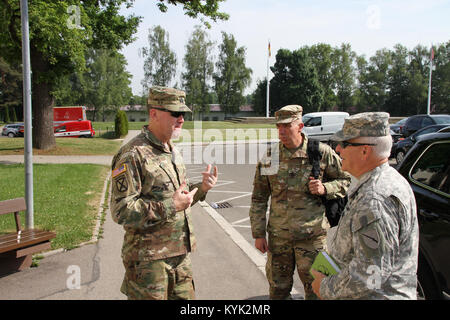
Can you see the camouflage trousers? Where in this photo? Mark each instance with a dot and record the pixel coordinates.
(283, 256)
(165, 279)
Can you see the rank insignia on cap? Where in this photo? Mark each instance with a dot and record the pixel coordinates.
(119, 170)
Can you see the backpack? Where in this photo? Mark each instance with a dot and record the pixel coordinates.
(333, 207)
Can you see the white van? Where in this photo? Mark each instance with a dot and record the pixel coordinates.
(322, 125)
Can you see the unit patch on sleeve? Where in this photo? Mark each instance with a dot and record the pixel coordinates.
(122, 184)
(119, 170)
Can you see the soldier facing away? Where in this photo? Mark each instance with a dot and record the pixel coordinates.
(297, 224)
(151, 198)
(376, 241)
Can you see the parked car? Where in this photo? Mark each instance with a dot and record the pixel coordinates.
(397, 127)
(419, 121)
(427, 169)
(400, 148)
(322, 125)
(11, 130)
(446, 129)
(395, 138)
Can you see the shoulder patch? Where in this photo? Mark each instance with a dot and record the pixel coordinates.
(363, 220)
(371, 238)
(119, 170)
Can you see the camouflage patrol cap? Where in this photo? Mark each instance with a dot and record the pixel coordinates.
(289, 113)
(366, 124)
(168, 99)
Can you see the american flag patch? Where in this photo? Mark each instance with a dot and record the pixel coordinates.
(119, 170)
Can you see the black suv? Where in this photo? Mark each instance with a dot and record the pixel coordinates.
(414, 123)
(401, 147)
(427, 169)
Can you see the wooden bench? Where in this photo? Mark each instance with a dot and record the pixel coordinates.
(17, 248)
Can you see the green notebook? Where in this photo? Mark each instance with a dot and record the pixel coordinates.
(325, 264)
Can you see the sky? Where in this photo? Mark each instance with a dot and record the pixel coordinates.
(367, 25)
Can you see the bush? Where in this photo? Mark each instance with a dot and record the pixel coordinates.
(121, 124)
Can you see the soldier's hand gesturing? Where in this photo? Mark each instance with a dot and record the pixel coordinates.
(209, 179)
(182, 198)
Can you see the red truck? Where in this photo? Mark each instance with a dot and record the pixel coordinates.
(70, 122)
(76, 113)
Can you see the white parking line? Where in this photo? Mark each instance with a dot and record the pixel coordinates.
(242, 220)
(228, 191)
(232, 198)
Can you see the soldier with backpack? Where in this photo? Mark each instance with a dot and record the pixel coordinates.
(297, 223)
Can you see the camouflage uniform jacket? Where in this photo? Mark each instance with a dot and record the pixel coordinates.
(144, 178)
(283, 176)
(376, 241)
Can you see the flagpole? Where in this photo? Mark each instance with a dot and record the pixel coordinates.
(429, 81)
(267, 90)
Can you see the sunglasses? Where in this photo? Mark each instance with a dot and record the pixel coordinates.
(175, 114)
(345, 144)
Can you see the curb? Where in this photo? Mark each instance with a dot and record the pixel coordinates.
(255, 256)
(97, 227)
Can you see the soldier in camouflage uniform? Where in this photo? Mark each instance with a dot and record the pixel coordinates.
(376, 241)
(151, 198)
(297, 224)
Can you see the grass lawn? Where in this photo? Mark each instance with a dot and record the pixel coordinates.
(207, 131)
(66, 199)
(64, 146)
(109, 126)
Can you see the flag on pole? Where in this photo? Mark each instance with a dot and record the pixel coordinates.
(432, 53)
(269, 49)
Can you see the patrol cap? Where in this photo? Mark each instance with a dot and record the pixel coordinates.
(366, 124)
(289, 113)
(167, 99)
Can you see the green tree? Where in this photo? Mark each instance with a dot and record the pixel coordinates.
(232, 76)
(295, 81)
(194, 8)
(373, 86)
(440, 83)
(199, 70)
(60, 33)
(10, 91)
(344, 74)
(107, 85)
(397, 100)
(138, 100)
(418, 70)
(120, 124)
(103, 87)
(160, 62)
(260, 97)
(321, 57)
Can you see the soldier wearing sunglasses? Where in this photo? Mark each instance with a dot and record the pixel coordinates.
(151, 198)
(376, 241)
